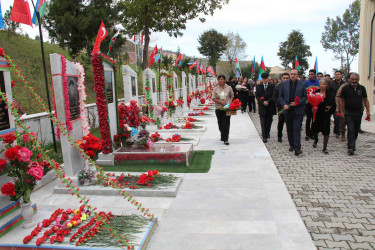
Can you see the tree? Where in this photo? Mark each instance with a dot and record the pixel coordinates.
(294, 47)
(10, 26)
(235, 48)
(75, 23)
(212, 45)
(168, 15)
(341, 35)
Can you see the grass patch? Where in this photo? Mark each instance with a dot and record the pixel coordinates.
(201, 163)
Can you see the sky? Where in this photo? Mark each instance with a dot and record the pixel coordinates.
(263, 25)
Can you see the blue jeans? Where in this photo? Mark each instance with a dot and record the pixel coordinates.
(293, 127)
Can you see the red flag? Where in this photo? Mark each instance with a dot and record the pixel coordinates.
(178, 58)
(194, 64)
(204, 70)
(141, 38)
(198, 68)
(153, 54)
(102, 33)
(21, 12)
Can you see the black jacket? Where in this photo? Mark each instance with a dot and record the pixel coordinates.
(267, 96)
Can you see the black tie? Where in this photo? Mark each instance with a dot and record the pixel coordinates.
(265, 88)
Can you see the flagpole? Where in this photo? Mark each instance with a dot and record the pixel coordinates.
(45, 74)
(135, 55)
(159, 83)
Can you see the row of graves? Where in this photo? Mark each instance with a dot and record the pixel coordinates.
(131, 132)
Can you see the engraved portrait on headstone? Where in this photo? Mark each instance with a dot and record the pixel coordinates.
(176, 83)
(108, 86)
(153, 85)
(73, 98)
(133, 84)
(4, 115)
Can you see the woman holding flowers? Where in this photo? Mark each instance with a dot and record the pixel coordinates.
(222, 95)
(322, 113)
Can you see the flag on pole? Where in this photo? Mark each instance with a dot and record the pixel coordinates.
(182, 59)
(153, 55)
(237, 68)
(113, 40)
(316, 65)
(178, 59)
(21, 12)
(40, 6)
(262, 69)
(102, 33)
(159, 56)
(297, 66)
(193, 64)
(1, 19)
(253, 69)
(204, 70)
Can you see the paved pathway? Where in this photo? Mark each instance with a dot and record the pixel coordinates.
(241, 203)
(335, 193)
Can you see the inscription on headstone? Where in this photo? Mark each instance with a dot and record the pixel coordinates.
(108, 86)
(153, 85)
(133, 84)
(4, 115)
(73, 98)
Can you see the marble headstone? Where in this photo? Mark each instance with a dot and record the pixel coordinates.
(130, 81)
(184, 88)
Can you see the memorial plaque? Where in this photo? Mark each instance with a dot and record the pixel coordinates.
(134, 85)
(4, 115)
(73, 98)
(176, 83)
(108, 86)
(153, 85)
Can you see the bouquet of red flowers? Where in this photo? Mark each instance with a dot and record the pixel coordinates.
(170, 126)
(90, 144)
(203, 101)
(175, 138)
(296, 101)
(156, 137)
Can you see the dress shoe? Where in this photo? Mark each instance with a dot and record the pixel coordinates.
(291, 149)
(325, 151)
(280, 139)
(361, 131)
(315, 144)
(343, 137)
(351, 151)
(268, 136)
(298, 152)
(226, 142)
(307, 138)
(337, 135)
(265, 140)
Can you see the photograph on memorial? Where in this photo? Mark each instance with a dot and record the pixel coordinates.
(4, 115)
(153, 85)
(73, 98)
(108, 86)
(176, 83)
(134, 85)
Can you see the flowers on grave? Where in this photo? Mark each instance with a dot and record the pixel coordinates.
(82, 98)
(189, 125)
(156, 137)
(170, 126)
(203, 101)
(23, 164)
(204, 108)
(171, 106)
(147, 177)
(86, 176)
(180, 102)
(101, 103)
(201, 113)
(296, 101)
(90, 144)
(124, 134)
(175, 138)
(144, 121)
(143, 138)
(130, 113)
(148, 98)
(189, 99)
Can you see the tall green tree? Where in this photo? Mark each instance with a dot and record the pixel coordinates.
(212, 45)
(168, 15)
(75, 23)
(293, 47)
(341, 35)
(235, 48)
(10, 26)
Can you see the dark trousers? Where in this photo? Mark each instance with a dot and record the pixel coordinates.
(309, 119)
(224, 124)
(265, 123)
(252, 107)
(244, 99)
(280, 125)
(336, 124)
(293, 126)
(353, 122)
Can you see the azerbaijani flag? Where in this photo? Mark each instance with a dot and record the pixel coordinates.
(193, 64)
(262, 69)
(182, 59)
(316, 65)
(153, 55)
(238, 70)
(40, 6)
(159, 56)
(297, 66)
(21, 12)
(178, 59)
(253, 69)
(113, 40)
(1, 19)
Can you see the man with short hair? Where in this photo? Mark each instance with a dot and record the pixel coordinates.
(266, 106)
(335, 85)
(281, 118)
(312, 84)
(319, 76)
(294, 112)
(328, 77)
(352, 98)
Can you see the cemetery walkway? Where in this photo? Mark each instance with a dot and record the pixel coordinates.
(241, 203)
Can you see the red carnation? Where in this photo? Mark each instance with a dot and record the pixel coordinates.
(2, 53)
(296, 100)
(11, 153)
(27, 239)
(8, 189)
(9, 138)
(262, 98)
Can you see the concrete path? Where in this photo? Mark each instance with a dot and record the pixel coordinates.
(241, 203)
(335, 193)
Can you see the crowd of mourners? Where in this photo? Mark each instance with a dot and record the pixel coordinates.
(319, 98)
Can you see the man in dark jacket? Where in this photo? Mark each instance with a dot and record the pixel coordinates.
(266, 105)
(294, 111)
(335, 85)
(275, 97)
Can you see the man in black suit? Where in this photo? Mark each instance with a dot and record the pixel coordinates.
(266, 105)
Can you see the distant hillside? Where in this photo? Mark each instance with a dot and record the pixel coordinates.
(27, 55)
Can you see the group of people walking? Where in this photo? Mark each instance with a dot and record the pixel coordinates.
(318, 98)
